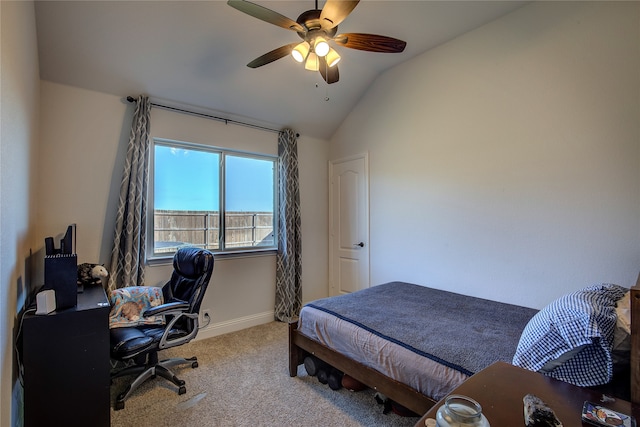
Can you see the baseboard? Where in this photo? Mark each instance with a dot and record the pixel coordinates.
(215, 329)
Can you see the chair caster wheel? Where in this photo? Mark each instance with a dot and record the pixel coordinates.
(123, 395)
(182, 390)
(194, 365)
(118, 405)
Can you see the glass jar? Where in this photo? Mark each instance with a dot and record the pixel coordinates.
(460, 411)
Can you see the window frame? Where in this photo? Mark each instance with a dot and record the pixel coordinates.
(157, 258)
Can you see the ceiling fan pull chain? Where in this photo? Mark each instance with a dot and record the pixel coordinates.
(326, 70)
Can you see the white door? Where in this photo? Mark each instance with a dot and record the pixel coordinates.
(349, 228)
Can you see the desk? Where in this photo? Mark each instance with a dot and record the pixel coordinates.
(66, 364)
(500, 388)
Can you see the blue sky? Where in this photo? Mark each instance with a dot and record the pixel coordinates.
(188, 179)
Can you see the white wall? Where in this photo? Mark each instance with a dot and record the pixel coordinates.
(84, 137)
(88, 132)
(19, 80)
(313, 155)
(504, 163)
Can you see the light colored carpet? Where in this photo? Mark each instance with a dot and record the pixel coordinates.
(243, 380)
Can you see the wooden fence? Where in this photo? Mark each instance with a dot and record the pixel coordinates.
(173, 229)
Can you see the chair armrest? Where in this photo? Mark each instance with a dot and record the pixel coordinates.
(166, 342)
(176, 307)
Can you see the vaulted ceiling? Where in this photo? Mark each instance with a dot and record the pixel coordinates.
(194, 53)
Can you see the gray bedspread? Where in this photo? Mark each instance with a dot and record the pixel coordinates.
(462, 332)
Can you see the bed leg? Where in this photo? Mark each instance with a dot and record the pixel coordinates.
(296, 354)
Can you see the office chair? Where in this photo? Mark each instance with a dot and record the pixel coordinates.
(192, 268)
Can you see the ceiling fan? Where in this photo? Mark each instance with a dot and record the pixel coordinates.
(316, 28)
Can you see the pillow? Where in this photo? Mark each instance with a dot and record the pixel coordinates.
(552, 364)
(128, 305)
(571, 338)
(621, 346)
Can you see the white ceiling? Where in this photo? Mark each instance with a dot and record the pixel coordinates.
(194, 53)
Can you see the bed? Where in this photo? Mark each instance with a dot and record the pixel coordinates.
(427, 350)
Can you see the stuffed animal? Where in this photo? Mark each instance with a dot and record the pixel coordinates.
(91, 274)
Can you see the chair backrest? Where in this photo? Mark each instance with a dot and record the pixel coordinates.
(192, 269)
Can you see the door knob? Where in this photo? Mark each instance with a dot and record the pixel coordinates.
(361, 244)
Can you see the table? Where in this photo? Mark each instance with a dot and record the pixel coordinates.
(500, 388)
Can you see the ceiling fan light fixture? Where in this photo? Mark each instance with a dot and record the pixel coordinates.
(320, 46)
(300, 52)
(313, 63)
(317, 27)
(332, 57)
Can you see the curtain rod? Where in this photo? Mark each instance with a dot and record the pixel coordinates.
(208, 116)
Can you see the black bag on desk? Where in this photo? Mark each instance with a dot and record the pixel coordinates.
(61, 275)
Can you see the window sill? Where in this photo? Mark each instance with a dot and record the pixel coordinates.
(166, 260)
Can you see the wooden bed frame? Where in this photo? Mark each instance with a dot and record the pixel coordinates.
(300, 346)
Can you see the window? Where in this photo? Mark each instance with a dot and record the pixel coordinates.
(212, 198)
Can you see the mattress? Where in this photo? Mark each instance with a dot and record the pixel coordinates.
(428, 339)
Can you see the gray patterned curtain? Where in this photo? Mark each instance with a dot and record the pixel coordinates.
(289, 258)
(127, 257)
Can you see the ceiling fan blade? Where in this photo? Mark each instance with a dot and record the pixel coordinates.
(265, 14)
(274, 55)
(335, 11)
(329, 74)
(370, 42)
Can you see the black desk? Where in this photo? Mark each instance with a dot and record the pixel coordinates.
(66, 364)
